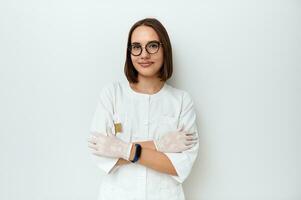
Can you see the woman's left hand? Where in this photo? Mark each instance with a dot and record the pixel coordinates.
(109, 146)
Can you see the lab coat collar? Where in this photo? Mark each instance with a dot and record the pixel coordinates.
(135, 94)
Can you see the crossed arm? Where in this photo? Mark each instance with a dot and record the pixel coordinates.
(111, 146)
(151, 158)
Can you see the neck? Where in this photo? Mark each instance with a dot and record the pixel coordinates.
(147, 85)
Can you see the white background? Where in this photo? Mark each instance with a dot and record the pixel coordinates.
(239, 60)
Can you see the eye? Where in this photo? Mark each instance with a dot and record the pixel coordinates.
(153, 45)
(136, 47)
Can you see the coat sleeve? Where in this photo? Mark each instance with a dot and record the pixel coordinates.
(102, 122)
(184, 161)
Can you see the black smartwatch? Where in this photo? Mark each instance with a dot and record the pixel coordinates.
(137, 153)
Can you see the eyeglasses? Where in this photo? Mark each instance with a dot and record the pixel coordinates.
(151, 47)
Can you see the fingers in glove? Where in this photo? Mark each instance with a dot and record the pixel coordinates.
(95, 152)
(92, 139)
(179, 130)
(189, 146)
(189, 142)
(192, 138)
(110, 134)
(99, 140)
(92, 146)
(96, 134)
(190, 134)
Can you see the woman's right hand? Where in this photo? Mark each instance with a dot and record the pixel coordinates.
(176, 141)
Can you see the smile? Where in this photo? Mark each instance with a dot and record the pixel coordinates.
(146, 64)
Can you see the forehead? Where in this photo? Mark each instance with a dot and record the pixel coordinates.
(144, 34)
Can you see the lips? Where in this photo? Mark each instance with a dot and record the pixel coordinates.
(145, 64)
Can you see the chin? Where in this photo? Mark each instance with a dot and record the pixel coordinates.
(148, 74)
(147, 71)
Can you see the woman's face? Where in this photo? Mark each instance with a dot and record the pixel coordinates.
(148, 65)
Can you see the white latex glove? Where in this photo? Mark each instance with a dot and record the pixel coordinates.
(109, 146)
(176, 141)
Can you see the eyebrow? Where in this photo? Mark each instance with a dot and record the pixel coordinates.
(135, 43)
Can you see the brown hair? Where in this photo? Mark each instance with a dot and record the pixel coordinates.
(167, 68)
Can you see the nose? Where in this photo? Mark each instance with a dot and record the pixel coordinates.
(144, 53)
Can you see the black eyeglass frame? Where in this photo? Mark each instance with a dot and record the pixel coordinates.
(145, 47)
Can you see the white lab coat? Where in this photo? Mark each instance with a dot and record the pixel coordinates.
(144, 117)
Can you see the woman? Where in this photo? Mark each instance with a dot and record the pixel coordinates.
(144, 132)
